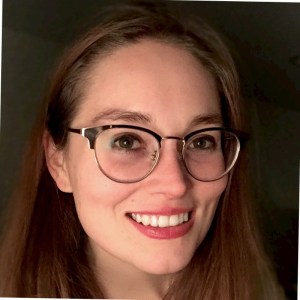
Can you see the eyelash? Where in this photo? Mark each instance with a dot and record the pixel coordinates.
(120, 148)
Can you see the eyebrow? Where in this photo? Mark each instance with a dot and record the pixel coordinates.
(214, 118)
(138, 117)
(124, 115)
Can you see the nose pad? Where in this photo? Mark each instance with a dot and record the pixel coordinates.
(169, 178)
(180, 146)
(154, 155)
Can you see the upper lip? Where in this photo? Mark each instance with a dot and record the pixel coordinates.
(167, 211)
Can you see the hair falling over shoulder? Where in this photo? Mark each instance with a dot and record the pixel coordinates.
(44, 250)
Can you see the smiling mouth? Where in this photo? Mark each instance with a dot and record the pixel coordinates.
(160, 221)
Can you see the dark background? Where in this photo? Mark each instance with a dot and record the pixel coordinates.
(265, 40)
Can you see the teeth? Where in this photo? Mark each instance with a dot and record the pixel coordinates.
(145, 220)
(154, 221)
(185, 217)
(180, 218)
(161, 221)
(138, 218)
(174, 220)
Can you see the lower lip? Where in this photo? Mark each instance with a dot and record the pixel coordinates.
(171, 232)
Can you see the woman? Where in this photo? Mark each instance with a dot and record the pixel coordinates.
(132, 185)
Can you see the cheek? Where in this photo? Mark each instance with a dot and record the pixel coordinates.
(88, 183)
(97, 198)
(208, 197)
(93, 189)
(100, 205)
(210, 192)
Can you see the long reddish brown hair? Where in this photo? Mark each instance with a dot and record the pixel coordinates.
(44, 250)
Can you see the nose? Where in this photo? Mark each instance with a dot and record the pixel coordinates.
(169, 178)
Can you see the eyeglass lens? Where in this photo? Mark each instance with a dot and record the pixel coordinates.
(129, 155)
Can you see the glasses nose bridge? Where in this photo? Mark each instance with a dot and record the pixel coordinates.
(180, 144)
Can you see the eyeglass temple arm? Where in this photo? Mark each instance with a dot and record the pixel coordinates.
(244, 137)
(89, 133)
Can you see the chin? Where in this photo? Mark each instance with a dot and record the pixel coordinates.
(169, 263)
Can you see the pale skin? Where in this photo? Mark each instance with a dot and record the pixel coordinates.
(172, 89)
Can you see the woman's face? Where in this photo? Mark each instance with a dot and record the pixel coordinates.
(172, 90)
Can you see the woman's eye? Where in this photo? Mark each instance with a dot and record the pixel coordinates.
(203, 143)
(126, 142)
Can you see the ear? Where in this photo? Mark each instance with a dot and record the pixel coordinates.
(56, 164)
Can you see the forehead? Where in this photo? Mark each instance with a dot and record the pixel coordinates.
(162, 81)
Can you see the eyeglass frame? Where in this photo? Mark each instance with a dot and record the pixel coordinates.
(91, 133)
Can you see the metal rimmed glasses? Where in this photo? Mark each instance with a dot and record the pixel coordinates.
(128, 154)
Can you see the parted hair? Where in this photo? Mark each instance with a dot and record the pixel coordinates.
(44, 249)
